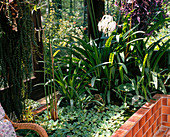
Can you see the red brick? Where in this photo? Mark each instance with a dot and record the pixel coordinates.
(160, 111)
(168, 119)
(168, 132)
(165, 109)
(168, 101)
(159, 121)
(159, 104)
(155, 130)
(129, 134)
(148, 105)
(157, 96)
(163, 128)
(166, 124)
(119, 133)
(127, 125)
(154, 108)
(151, 120)
(148, 114)
(156, 115)
(135, 129)
(139, 134)
(164, 101)
(144, 135)
(159, 134)
(135, 118)
(145, 127)
(141, 111)
(149, 132)
(164, 117)
(142, 122)
(154, 126)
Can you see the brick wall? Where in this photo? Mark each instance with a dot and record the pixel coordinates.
(152, 119)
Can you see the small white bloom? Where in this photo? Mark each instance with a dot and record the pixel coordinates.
(112, 26)
(107, 18)
(100, 26)
(107, 25)
(168, 13)
(129, 1)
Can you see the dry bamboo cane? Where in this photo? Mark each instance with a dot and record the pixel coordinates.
(127, 48)
(54, 109)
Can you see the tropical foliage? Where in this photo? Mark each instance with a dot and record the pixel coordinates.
(119, 66)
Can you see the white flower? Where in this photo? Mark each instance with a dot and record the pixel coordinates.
(107, 18)
(129, 1)
(112, 26)
(100, 26)
(107, 25)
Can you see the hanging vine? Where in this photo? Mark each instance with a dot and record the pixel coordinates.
(16, 45)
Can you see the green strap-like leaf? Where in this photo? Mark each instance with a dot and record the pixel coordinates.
(93, 81)
(108, 42)
(121, 73)
(156, 25)
(144, 64)
(111, 58)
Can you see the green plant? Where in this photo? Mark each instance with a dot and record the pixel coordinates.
(120, 65)
(69, 81)
(59, 24)
(69, 84)
(27, 133)
(28, 115)
(31, 103)
(149, 78)
(103, 65)
(77, 122)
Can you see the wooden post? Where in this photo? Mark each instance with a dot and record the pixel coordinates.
(98, 6)
(38, 91)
